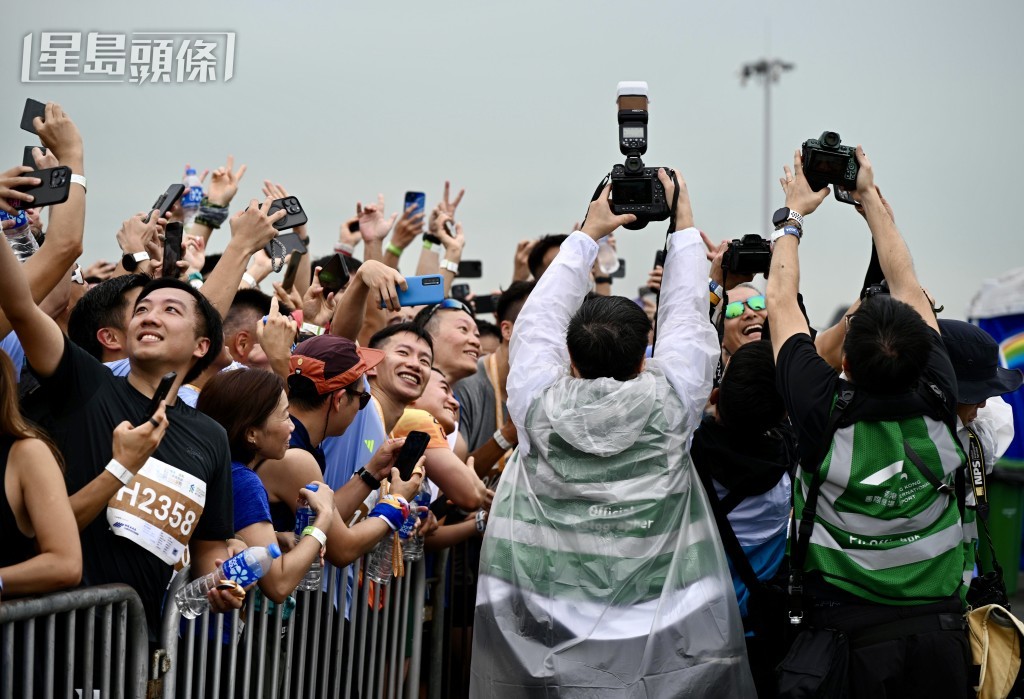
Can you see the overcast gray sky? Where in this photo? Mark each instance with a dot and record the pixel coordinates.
(515, 102)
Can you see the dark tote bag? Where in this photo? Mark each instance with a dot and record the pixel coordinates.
(816, 666)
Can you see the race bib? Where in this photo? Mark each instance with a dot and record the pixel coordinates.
(159, 509)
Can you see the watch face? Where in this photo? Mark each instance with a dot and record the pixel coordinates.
(780, 216)
(129, 263)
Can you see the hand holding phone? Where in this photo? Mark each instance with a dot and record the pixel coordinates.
(33, 109)
(422, 291)
(415, 446)
(167, 200)
(334, 276)
(54, 188)
(162, 390)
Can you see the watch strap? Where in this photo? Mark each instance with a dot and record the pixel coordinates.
(450, 266)
(80, 179)
(317, 534)
(368, 478)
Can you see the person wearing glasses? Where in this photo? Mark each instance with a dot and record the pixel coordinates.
(743, 317)
(601, 570)
(325, 392)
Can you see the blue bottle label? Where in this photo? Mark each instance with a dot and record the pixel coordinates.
(193, 198)
(238, 570)
(20, 220)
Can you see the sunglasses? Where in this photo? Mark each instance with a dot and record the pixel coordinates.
(363, 396)
(735, 308)
(447, 304)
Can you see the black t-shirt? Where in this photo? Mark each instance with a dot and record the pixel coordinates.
(80, 405)
(808, 386)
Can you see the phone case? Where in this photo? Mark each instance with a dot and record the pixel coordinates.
(485, 304)
(417, 198)
(173, 235)
(471, 269)
(296, 216)
(54, 189)
(335, 275)
(291, 243)
(33, 109)
(166, 200)
(423, 291)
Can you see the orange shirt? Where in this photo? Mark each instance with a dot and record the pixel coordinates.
(417, 420)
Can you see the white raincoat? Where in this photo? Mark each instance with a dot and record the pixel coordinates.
(601, 572)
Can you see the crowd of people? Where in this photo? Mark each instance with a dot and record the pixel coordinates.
(654, 493)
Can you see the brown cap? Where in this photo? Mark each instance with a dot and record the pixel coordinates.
(332, 362)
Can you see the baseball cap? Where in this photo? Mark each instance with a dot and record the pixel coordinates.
(332, 362)
(975, 358)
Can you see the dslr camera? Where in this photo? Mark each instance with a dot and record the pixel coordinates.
(827, 161)
(750, 255)
(636, 188)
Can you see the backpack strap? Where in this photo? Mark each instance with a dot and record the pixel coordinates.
(729, 541)
(801, 536)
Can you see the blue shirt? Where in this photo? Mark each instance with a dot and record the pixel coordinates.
(350, 452)
(251, 503)
(12, 346)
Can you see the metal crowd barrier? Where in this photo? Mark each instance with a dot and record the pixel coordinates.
(103, 627)
(316, 652)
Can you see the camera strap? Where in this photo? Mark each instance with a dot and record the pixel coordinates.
(668, 232)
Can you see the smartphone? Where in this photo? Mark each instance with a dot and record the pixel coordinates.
(412, 450)
(418, 200)
(33, 109)
(291, 270)
(162, 390)
(353, 227)
(621, 271)
(659, 258)
(28, 160)
(292, 243)
(173, 233)
(166, 200)
(471, 269)
(460, 291)
(485, 304)
(295, 215)
(334, 276)
(423, 291)
(54, 188)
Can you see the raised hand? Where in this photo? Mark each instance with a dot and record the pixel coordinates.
(799, 195)
(224, 182)
(600, 219)
(253, 226)
(15, 177)
(373, 226)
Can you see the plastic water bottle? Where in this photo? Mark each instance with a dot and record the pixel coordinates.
(378, 566)
(305, 517)
(244, 568)
(20, 236)
(607, 258)
(190, 202)
(412, 543)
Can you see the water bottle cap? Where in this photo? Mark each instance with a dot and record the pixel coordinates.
(274, 550)
(190, 171)
(312, 486)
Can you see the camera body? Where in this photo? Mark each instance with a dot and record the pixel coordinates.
(827, 161)
(636, 188)
(638, 192)
(750, 255)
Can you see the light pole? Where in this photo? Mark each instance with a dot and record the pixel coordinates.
(768, 70)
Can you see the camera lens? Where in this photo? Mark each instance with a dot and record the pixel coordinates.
(830, 139)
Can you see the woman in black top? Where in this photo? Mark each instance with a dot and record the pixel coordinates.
(41, 550)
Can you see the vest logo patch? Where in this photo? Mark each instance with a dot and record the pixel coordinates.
(885, 474)
(369, 443)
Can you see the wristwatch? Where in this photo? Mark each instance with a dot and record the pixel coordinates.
(784, 216)
(449, 265)
(368, 479)
(131, 261)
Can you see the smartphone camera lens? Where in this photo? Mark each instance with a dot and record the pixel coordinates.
(293, 209)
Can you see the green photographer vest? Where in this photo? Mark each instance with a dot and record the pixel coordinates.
(883, 530)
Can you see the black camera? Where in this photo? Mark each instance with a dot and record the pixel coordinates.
(636, 188)
(827, 161)
(750, 255)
